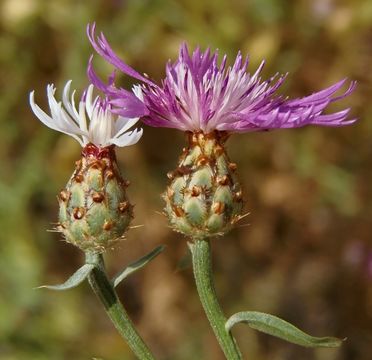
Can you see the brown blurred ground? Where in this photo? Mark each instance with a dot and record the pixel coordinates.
(306, 252)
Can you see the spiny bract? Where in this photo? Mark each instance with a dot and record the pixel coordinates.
(94, 211)
(204, 197)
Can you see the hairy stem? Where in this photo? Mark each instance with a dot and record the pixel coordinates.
(106, 293)
(202, 265)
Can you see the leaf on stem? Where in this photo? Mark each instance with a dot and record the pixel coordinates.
(272, 325)
(76, 279)
(137, 265)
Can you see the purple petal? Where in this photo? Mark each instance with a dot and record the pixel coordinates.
(103, 48)
(130, 105)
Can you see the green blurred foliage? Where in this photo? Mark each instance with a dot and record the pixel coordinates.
(306, 255)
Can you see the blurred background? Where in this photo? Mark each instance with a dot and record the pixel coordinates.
(304, 253)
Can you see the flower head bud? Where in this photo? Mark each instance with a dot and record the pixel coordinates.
(204, 197)
(94, 211)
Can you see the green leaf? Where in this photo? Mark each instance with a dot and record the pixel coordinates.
(76, 279)
(137, 265)
(272, 325)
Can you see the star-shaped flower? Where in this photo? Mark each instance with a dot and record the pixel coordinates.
(92, 122)
(199, 94)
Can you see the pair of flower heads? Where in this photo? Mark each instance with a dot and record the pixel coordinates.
(200, 95)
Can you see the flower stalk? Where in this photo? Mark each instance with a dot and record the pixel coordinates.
(202, 266)
(94, 209)
(105, 291)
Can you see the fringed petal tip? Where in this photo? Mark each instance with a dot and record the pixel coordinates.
(317, 103)
(102, 47)
(349, 90)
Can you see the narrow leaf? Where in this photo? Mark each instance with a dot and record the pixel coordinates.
(272, 325)
(137, 265)
(76, 279)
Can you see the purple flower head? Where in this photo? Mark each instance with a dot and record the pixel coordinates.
(199, 94)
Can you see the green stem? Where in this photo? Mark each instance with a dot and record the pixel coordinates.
(202, 264)
(106, 293)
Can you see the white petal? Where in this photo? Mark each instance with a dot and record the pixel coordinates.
(100, 129)
(50, 122)
(70, 104)
(43, 117)
(60, 116)
(89, 103)
(123, 124)
(137, 90)
(128, 138)
(83, 118)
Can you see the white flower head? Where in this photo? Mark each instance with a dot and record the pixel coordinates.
(92, 121)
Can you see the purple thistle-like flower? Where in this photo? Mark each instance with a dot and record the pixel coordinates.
(198, 94)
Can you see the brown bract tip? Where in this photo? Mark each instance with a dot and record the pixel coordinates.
(79, 178)
(179, 211)
(109, 174)
(219, 150)
(123, 206)
(196, 191)
(233, 166)
(223, 180)
(238, 196)
(218, 207)
(64, 195)
(98, 197)
(107, 225)
(78, 213)
(170, 192)
(183, 170)
(98, 164)
(202, 160)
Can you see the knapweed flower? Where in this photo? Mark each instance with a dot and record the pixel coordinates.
(210, 100)
(94, 211)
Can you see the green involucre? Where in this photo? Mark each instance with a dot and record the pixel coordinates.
(94, 211)
(204, 197)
